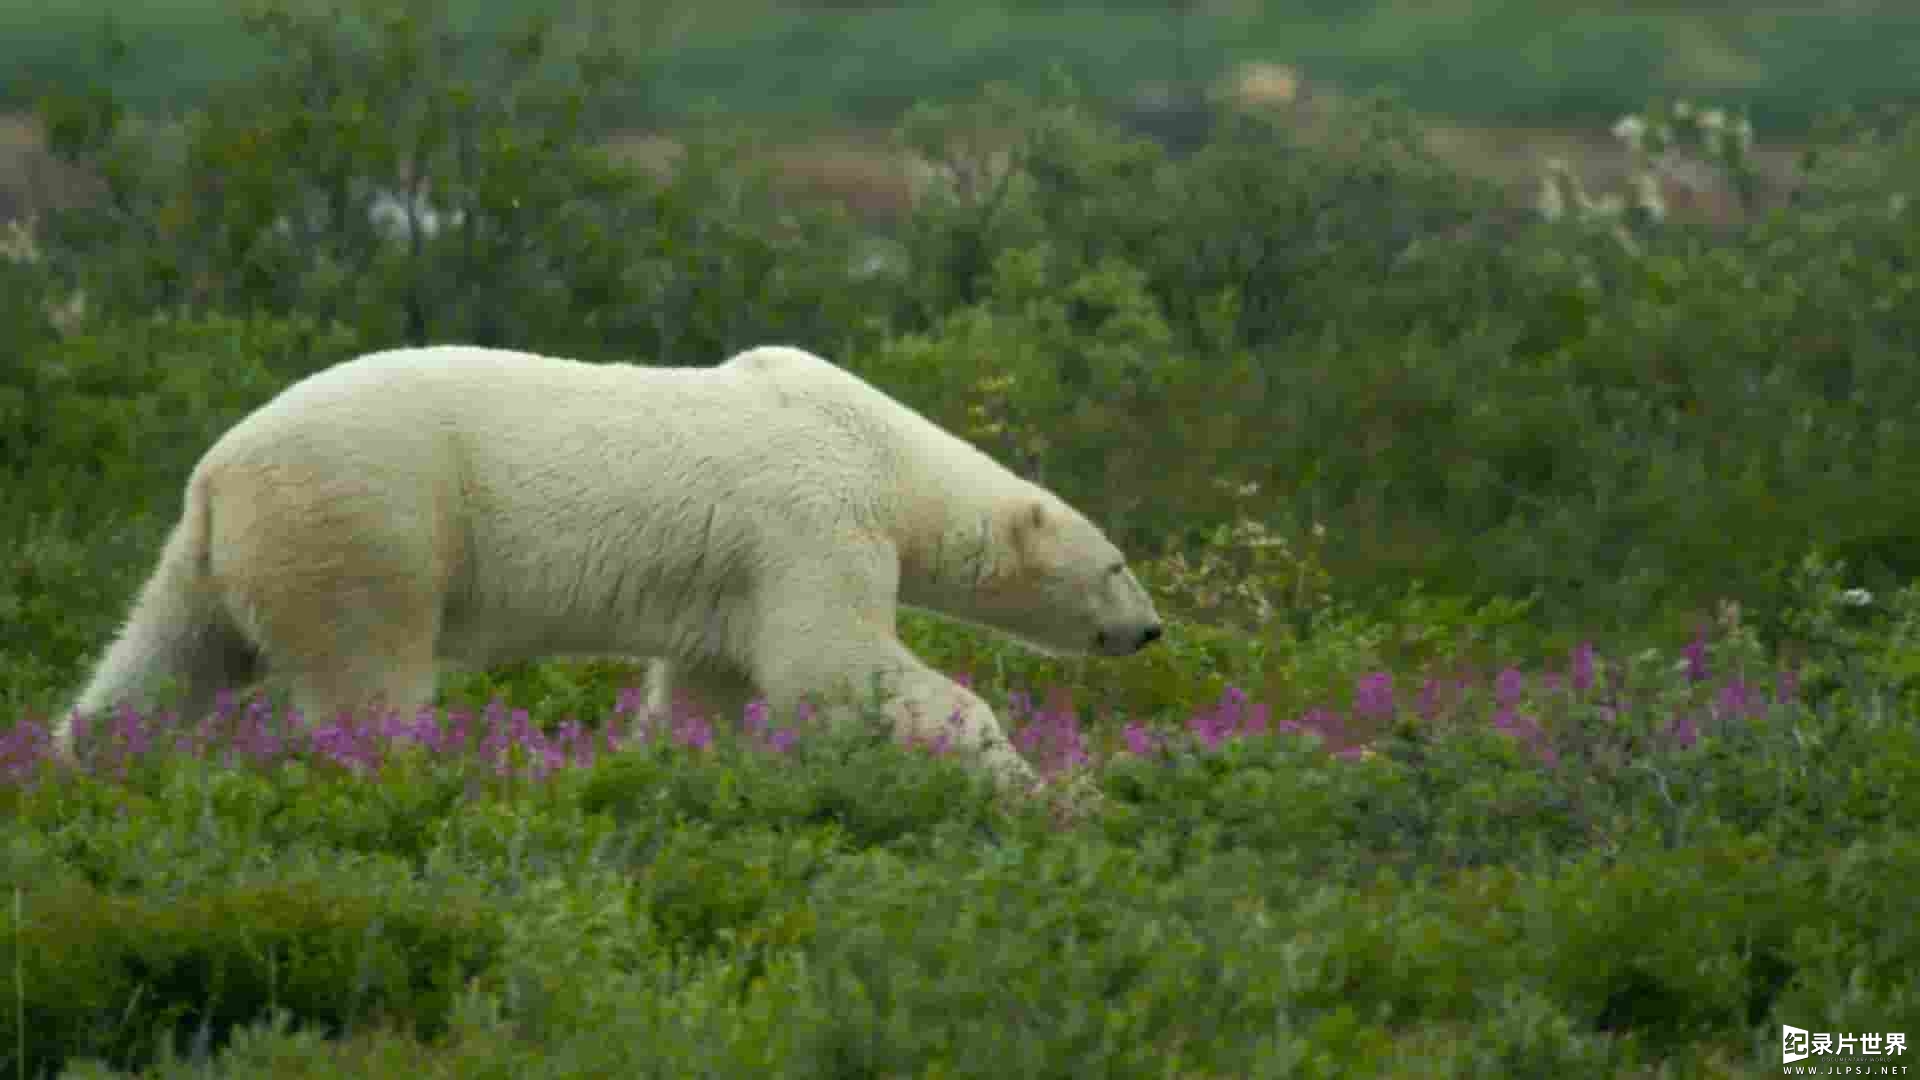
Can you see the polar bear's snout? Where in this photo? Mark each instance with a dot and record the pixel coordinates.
(1126, 642)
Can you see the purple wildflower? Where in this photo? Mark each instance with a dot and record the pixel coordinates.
(754, 720)
(1696, 653)
(691, 729)
(80, 726)
(1056, 739)
(575, 741)
(459, 730)
(425, 729)
(21, 750)
(1509, 686)
(1510, 720)
(1683, 730)
(1736, 699)
(1373, 695)
(1140, 741)
(1322, 722)
(255, 737)
(134, 735)
(1210, 726)
(1583, 667)
(1429, 706)
(1019, 706)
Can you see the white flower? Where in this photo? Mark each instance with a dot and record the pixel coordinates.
(1550, 204)
(1713, 119)
(1630, 129)
(1648, 197)
(1683, 108)
(17, 243)
(1856, 598)
(1743, 133)
(1606, 207)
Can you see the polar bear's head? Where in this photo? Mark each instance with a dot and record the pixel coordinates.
(1062, 586)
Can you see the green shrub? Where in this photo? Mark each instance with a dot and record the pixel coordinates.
(421, 185)
(1491, 406)
(1635, 900)
(856, 781)
(114, 415)
(117, 976)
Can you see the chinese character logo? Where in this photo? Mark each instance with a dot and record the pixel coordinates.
(1793, 1043)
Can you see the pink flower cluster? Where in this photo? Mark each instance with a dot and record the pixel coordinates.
(1050, 735)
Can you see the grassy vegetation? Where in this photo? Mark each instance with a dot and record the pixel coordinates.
(1623, 869)
(1538, 697)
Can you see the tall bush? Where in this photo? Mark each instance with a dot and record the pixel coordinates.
(1636, 417)
(419, 182)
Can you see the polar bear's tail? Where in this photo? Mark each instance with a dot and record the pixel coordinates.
(178, 631)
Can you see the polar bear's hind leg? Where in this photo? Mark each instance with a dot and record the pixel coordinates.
(343, 593)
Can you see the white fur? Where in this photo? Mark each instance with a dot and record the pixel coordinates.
(754, 525)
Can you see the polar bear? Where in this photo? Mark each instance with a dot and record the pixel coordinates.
(752, 526)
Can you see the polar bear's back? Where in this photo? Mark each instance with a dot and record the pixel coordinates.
(465, 387)
(773, 433)
(516, 407)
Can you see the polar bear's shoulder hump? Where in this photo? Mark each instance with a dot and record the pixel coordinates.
(782, 360)
(798, 373)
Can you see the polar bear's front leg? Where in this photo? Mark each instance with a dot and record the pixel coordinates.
(918, 702)
(722, 698)
(659, 686)
(829, 635)
(922, 703)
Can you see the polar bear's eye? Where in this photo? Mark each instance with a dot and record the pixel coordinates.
(1117, 568)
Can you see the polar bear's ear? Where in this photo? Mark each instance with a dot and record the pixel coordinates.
(1036, 517)
(1025, 519)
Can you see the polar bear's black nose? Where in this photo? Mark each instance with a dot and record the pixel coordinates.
(1122, 642)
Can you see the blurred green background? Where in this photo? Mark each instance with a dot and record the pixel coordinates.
(1505, 61)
